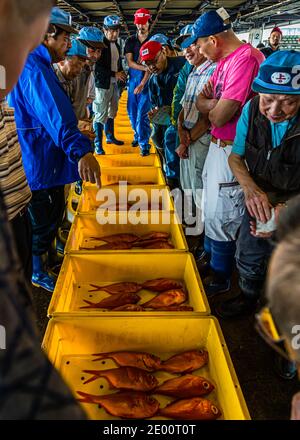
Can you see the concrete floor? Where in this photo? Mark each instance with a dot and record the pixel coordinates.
(267, 395)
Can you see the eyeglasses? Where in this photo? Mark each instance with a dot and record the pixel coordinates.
(266, 328)
(150, 63)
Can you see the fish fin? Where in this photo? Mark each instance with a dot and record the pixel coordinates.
(90, 305)
(101, 356)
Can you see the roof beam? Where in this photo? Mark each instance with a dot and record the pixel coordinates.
(160, 9)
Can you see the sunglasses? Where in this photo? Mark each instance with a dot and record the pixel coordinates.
(266, 328)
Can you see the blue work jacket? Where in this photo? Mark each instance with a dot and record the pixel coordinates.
(50, 140)
(161, 86)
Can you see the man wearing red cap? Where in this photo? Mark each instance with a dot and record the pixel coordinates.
(165, 72)
(274, 42)
(138, 96)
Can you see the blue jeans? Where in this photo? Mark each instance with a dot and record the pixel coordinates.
(46, 210)
(165, 140)
(221, 255)
(252, 258)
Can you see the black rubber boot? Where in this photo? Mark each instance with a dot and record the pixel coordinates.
(110, 133)
(216, 284)
(244, 303)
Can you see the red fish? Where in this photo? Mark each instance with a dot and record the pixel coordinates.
(113, 301)
(185, 386)
(126, 238)
(176, 309)
(129, 308)
(125, 378)
(186, 362)
(144, 361)
(191, 409)
(109, 247)
(117, 288)
(155, 235)
(127, 405)
(158, 244)
(162, 284)
(166, 299)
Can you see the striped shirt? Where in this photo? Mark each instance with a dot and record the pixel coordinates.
(13, 181)
(195, 83)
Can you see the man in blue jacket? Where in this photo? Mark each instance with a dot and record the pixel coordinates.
(54, 151)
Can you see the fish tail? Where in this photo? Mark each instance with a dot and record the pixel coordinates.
(95, 375)
(90, 305)
(101, 356)
(87, 398)
(96, 288)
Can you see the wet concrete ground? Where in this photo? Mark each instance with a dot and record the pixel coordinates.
(267, 395)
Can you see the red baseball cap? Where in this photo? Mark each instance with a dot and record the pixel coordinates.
(142, 16)
(149, 50)
(277, 29)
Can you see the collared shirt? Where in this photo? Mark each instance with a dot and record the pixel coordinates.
(50, 140)
(66, 84)
(80, 91)
(13, 181)
(195, 83)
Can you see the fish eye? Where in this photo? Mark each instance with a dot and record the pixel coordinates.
(201, 352)
(205, 385)
(214, 409)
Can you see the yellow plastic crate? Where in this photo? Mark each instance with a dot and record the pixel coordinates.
(85, 227)
(131, 175)
(79, 271)
(124, 149)
(92, 197)
(128, 160)
(69, 343)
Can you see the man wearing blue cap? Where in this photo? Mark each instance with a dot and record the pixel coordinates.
(166, 44)
(265, 159)
(71, 67)
(108, 72)
(222, 100)
(54, 151)
(93, 39)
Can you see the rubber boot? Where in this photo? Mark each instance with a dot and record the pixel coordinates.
(110, 133)
(40, 277)
(244, 303)
(98, 127)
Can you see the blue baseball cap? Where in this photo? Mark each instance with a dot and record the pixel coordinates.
(62, 20)
(210, 23)
(161, 38)
(91, 36)
(78, 49)
(277, 74)
(112, 22)
(185, 32)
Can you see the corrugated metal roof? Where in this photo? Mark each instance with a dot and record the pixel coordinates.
(170, 15)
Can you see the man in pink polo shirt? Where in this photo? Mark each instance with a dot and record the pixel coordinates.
(222, 99)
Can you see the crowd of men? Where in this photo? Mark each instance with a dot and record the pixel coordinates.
(224, 119)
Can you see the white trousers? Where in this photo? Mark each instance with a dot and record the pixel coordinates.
(223, 203)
